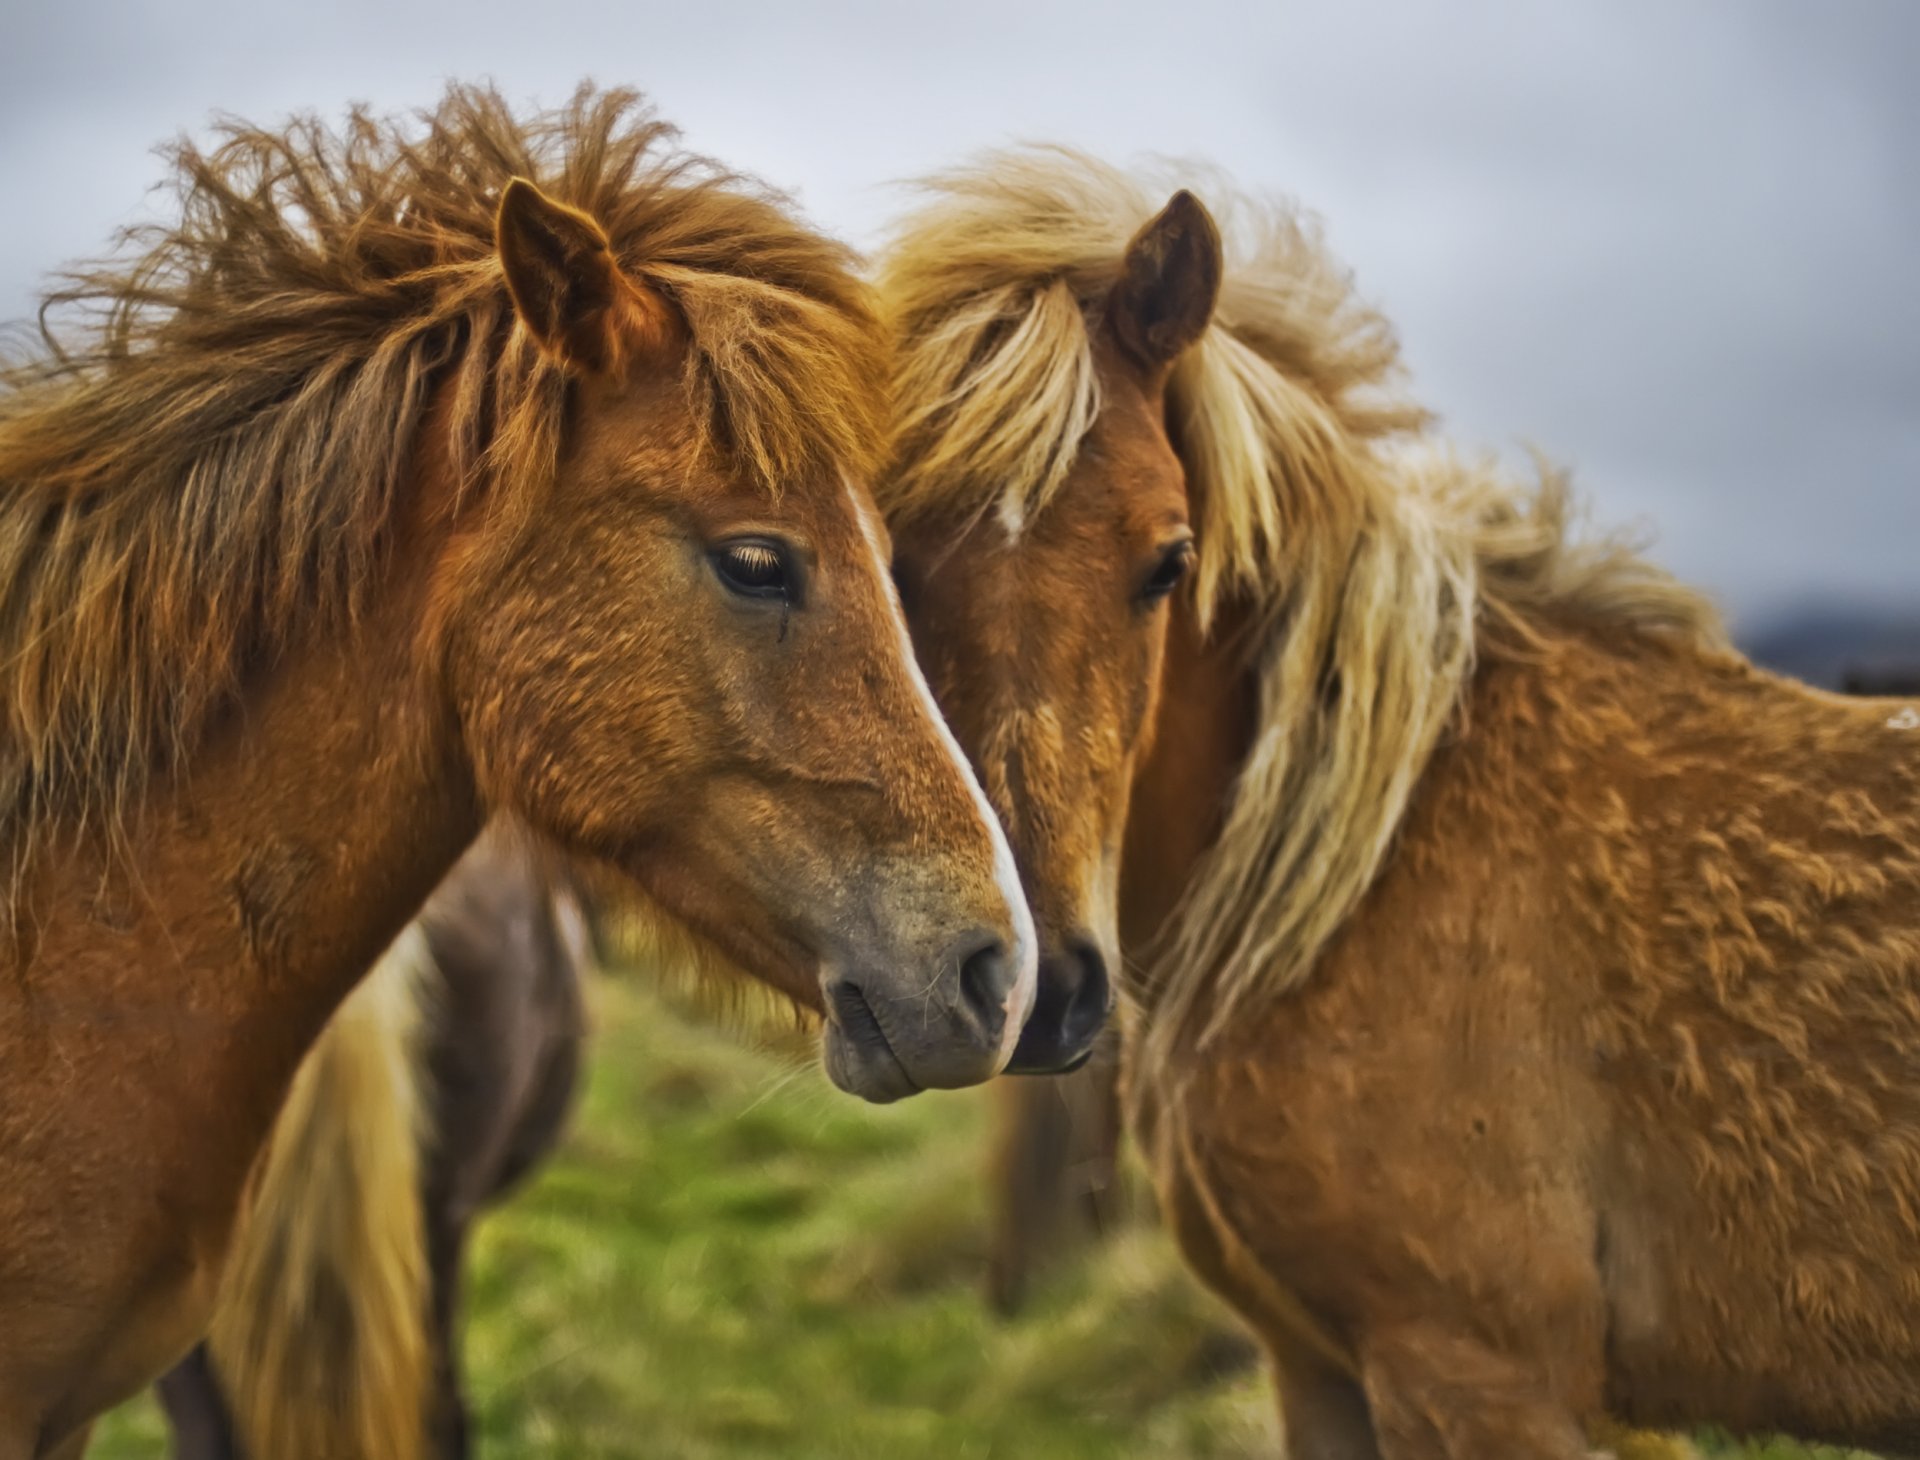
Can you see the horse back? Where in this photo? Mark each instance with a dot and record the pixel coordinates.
(1614, 1061)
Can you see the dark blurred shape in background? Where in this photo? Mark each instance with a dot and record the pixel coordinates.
(1854, 649)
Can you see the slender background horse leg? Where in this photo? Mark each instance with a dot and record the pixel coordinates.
(197, 1410)
(73, 1447)
(1029, 1180)
(512, 937)
(450, 1428)
(1323, 1412)
(1054, 1185)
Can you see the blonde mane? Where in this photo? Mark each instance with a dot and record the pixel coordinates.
(203, 462)
(1374, 564)
(320, 1332)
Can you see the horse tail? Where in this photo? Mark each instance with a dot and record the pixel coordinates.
(319, 1337)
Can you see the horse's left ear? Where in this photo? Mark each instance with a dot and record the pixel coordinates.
(1169, 282)
(567, 286)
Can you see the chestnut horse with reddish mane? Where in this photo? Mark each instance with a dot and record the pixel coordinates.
(1526, 989)
(423, 470)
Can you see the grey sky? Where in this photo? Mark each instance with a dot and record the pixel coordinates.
(1672, 244)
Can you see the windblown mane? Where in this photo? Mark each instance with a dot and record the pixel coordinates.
(201, 460)
(1374, 563)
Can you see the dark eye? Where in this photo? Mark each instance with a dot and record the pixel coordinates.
(755, 568)
(1168, 572)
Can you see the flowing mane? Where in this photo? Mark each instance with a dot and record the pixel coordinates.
(1376, 564)
(201, 458)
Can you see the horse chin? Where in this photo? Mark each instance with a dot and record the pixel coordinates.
(857, 1055)
(1048, 1071)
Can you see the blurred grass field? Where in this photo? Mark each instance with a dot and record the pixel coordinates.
(731, 1259)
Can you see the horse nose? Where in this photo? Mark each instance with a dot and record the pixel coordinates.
(890, 1033)
(1069, 1009)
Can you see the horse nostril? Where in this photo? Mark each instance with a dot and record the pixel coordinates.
(1092, 995)
(986, 979)
(1074, 998)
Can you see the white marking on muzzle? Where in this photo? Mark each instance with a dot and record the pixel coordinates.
(1026, 945)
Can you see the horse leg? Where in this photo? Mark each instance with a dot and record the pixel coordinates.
(72, 1447)
(196, 1409)
(1094, 1157)
(539, 1127)
(1441, 1395)
(24, 1435)
(1032, 1130)
(451, 1427)
(1323, 1412)
(1053, 1172)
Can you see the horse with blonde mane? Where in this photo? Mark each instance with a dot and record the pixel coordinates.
(424, 470)
(434, 1091)
(1525, 989)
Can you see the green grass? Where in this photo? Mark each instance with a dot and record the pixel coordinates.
(729, 1259)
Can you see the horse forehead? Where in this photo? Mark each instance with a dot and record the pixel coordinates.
(1126, 492)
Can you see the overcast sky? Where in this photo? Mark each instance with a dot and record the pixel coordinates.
(1673, 244)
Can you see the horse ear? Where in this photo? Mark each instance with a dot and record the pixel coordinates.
(565, 282)
(1169, 282)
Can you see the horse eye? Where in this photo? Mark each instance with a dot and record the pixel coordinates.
(1167, 574)
(754, 568)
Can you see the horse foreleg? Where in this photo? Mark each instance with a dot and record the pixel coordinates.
(197, 1410)
(1031, 1134)
(72, 1446)
(1053, 1172)
(1323, 1412)
(446, 1247)
(1435, 1394)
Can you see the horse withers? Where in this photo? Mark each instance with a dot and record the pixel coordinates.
(1526, 989)
(422, 471)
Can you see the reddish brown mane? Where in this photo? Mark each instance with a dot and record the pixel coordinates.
(203, 460)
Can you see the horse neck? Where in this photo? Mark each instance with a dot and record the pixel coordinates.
(236, 907)
(1204, 725)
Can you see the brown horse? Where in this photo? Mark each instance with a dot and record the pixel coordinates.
(440, 1083)
(383, 491)
(1056, 1143)
(1527, 988)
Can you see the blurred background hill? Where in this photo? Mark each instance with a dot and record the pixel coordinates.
(1826, 643)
